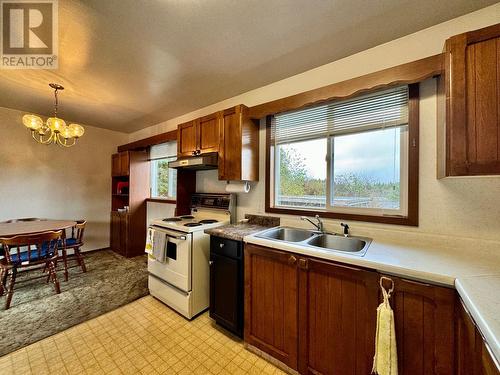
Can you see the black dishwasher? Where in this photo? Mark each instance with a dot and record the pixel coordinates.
(226, 284)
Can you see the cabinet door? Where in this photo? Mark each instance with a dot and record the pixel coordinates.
(124, 163)
(187, 142)
(271, 279)
(472, 62)
(115, 165)
(473, 357)
(337, 318)
(230, 149)
(424, 317)
(225, 291)
(115, 232)
(208, 133)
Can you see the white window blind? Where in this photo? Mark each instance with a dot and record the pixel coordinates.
(163, 150)
(381, 109)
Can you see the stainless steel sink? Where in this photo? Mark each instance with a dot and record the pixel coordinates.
(316, 240)
(287, 234)
(338, 243)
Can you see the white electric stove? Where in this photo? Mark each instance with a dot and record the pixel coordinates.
(179, 276)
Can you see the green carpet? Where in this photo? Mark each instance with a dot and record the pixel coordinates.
(37, 312)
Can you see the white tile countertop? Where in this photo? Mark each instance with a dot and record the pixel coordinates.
(472, 266)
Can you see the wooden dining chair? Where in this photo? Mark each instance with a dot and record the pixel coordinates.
(74, 242)
(24, 253)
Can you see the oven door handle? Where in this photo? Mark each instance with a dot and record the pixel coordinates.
(182, 237)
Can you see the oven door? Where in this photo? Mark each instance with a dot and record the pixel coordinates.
(176, 270)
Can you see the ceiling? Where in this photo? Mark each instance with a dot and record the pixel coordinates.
(129, 64)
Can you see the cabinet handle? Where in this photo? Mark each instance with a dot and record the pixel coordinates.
(221, 245)
(292, 260)
(211, 262)
(303, 263)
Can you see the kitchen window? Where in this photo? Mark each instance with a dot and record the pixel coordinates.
(351, 159)
(163, 178)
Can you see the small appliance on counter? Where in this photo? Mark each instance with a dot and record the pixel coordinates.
(178, 266)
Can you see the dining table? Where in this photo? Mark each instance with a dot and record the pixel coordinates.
(31, 227)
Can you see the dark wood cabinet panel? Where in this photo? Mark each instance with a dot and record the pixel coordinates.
(208, 133)
(271, 293)
(187, 140)
(120, 164)
(473, 357)
(239, 149)
(424, 318)
(471, 93)
(119, 228)
(124, 163)
(337, 318)
(128, 230)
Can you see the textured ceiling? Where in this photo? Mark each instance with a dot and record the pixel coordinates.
(129, 64)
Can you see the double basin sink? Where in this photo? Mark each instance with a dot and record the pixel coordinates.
(318, 240)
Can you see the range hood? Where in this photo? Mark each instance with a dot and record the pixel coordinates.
(207, 161)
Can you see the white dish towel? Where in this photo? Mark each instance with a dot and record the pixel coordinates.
(385, 361)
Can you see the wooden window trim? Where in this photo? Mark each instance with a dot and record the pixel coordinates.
(161, 200)
(150, 141)
(405, 74)
(413, 174)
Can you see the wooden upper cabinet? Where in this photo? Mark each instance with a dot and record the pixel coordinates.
(120, 164)
(208, 133)
(424, 318)
(187, 140)
(470, 128)
(271, 302)
(337, 318)
(199, 136)
(239, 147)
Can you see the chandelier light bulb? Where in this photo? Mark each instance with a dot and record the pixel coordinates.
(55, 124)
(32, 122)
(77, 130)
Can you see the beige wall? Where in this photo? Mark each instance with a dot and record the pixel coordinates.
(57, 183)
(466, 207)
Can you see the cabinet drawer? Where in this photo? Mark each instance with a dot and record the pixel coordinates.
(223, 246)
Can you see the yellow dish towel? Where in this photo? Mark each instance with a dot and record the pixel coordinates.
(385, 361)
(149, 241)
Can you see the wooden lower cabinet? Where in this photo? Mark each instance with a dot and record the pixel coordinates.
(119, 233)
(319, 317)
(473, 357)
(424, 317)
(271, 280)
(337, 318)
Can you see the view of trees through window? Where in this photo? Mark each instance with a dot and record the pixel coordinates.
(164, 179)
(365, 169)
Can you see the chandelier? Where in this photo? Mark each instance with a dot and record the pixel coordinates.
(54, 130)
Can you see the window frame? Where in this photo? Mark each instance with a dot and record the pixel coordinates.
(411, 219)
(152, 180)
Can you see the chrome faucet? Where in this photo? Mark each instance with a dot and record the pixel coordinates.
(346, 229)
(318, 225)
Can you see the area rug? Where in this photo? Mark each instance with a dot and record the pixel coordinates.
(37, 312)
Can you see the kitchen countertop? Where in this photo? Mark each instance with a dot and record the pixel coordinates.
(235, 231)
(252, 224)
(437, 259)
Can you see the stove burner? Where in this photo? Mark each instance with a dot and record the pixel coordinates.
(208, 221)
(192, 224)
(184, 217)
(172, 219)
